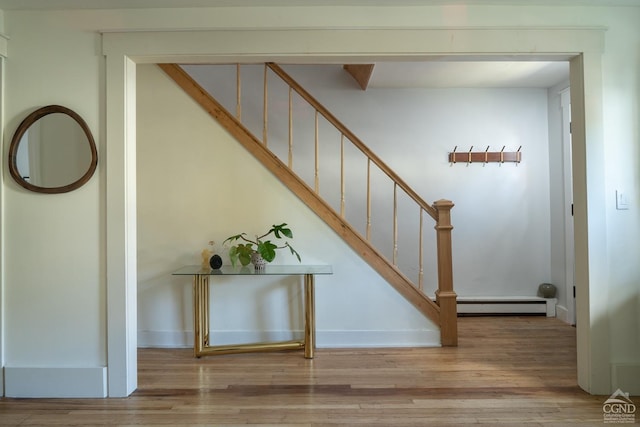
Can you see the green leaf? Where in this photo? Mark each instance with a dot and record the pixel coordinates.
(233, 255)
(240, 252)
(277, 229)
(234, 238)
(287, 232)
(244, 258)
(294, 252)
(267, 250)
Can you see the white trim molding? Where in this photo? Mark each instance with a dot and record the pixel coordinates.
(2, 232)
(583, 47)
(4, 45)
(624, 376)
(56, 382)
(562, 313)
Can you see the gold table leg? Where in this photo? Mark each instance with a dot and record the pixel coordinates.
(309, 316)
(200, 313)
(205, 310)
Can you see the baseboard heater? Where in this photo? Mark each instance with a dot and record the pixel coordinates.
(475, 306)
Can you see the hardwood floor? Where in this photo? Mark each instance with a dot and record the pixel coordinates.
(506, 371)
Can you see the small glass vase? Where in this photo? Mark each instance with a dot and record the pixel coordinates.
(257, 261)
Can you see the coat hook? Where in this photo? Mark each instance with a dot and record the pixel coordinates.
(518, 155)
(502, 154)
(469, 160)
(486, 154)
(453, 154)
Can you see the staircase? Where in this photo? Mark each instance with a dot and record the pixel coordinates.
(442, 310)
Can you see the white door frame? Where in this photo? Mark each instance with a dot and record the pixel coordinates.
(582, 46)
(3, 55)
(565, 104)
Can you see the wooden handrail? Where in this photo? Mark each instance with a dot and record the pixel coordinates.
(353, 138)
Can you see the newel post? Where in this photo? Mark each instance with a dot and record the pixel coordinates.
(445, 296)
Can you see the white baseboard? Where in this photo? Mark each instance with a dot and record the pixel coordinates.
(165, 339)
(562, 313)
(55, 382)
(507, 305)
(624, 376)
(373, 339)
(324, 339)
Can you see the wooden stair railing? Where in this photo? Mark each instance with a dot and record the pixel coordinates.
(443, 311)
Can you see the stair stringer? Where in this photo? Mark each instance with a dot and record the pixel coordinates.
(305, 193)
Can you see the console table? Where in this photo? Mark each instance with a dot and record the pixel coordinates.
(202, 345)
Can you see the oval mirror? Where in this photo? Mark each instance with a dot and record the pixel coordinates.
(52, 151)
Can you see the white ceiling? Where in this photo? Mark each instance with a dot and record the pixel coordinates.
(495, 74)
(145, 4)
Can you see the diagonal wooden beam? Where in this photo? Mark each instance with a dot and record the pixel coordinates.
(360, 72)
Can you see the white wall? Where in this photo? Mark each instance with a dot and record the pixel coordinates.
(54, 284)
(56, 57)
(622, 109)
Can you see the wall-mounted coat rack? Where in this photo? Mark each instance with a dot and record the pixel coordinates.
(485, 156)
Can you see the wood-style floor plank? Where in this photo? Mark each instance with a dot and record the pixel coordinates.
(506, 371)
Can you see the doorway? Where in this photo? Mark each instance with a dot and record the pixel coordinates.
(120, 161)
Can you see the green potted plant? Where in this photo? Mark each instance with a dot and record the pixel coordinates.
(246, 249)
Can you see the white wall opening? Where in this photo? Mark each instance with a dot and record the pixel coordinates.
(124, 50)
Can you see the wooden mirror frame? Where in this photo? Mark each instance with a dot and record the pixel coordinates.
(24, 126)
